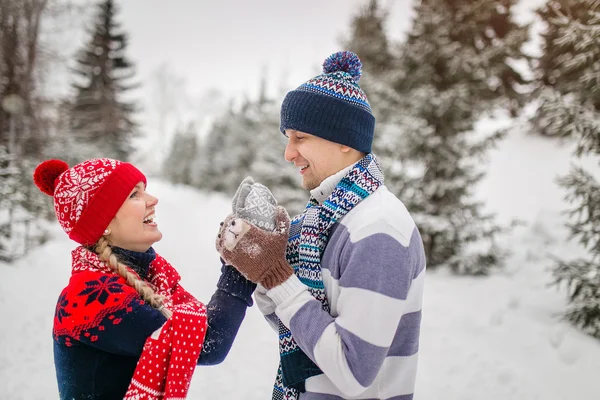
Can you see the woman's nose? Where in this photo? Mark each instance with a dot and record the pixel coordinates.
(151, 201)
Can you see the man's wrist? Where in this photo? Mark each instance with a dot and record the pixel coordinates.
(285, 290)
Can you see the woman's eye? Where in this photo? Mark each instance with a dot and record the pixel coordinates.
(134, 194)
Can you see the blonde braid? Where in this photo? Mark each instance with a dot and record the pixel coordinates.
(105, 253)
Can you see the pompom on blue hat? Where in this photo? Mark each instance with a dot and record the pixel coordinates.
(332, 105)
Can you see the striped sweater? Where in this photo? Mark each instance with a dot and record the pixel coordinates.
(373, 272)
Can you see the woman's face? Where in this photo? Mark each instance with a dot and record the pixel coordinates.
(133, 227)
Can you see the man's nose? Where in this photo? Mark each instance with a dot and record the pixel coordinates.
(290, 152)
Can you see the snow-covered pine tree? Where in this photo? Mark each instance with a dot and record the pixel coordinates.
(369, 40)
(566, 65)
(573, 109)
(228, 151)
(183, 152)
(378, 54)
(269, 166)
(8, 198)
(21, 207)
(247, 141)
(565, 57)
(456, 65)
(101, 118)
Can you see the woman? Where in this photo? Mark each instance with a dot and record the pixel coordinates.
(124, 327)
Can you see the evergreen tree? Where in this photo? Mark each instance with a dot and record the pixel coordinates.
(247, 142)
(269, 166)
(184, 150)
(456, 65)
(9, 193)
(566, 67)
(228, 152)
(565, 58)
(21, 207)
(572, 108)
(369, 40)
(101, 119)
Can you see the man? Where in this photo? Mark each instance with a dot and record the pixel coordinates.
(349, 311)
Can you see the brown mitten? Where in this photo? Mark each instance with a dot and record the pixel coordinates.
(259, 255)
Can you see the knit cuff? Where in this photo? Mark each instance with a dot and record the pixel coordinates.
(290, 288)
(276, 274)
(328, 117)
(235, 284)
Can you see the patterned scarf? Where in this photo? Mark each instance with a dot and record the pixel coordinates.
(173, 360)
(309, 234)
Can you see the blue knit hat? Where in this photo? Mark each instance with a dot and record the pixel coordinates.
(332, 105)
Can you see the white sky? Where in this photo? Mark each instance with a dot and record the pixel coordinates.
(226, 44)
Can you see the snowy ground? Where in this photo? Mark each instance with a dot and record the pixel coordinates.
(485, 338)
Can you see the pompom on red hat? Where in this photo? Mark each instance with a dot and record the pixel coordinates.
(88, 195)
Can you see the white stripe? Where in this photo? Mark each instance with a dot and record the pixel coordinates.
(397, 377)
(380, 213)
(400, 376)
(330, 357)
(291, 296)
(402, 232)
(372, 316)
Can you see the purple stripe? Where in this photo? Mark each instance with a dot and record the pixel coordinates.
(367, 358)
(417, 252)
(323, 396)
(406, 339)
(307, 326)
(378, 262)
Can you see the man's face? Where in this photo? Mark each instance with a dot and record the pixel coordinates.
(316, 158)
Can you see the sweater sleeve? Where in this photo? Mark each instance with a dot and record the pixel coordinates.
(102, 311)
(266, 307)
(375, 289)
(225, 311)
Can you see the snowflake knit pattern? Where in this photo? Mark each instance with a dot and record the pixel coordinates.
(309, 234)
(170, 355)
(255, 203)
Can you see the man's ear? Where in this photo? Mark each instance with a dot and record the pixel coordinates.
(344, 148)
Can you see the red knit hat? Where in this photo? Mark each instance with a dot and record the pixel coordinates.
(88, 195)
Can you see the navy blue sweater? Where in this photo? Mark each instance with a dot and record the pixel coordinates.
(102, 369)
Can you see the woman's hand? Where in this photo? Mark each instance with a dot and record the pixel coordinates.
(259, 255)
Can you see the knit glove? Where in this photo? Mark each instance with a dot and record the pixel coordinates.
(259, 255)
(255, 203)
